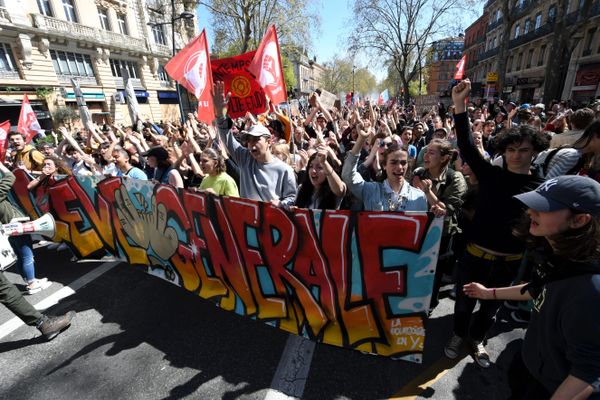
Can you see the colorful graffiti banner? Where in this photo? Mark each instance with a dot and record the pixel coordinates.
(359, 280)
(246, 93)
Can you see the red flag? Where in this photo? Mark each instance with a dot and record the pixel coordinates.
(246, 93)
(4, 129)
(191, 68)
(28, 124)
(267, 68)
(460, 68)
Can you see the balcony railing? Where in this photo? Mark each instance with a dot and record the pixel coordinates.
(12, 74)
(495, 24)
(542, 31)
(137, 83)
(488, 54)
(518, 12)
(594, 11)
(85, 80)
(59, 27)
(161, 49)
(4, 15)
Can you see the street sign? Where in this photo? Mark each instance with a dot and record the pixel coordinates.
(492, 77)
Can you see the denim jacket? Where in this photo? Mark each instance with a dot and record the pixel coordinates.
(375, 195)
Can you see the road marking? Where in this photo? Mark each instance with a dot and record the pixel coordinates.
(292, 372)
(426, 379)
(14, 323)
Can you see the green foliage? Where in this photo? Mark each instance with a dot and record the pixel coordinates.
(338, 77)
(65, 115)
(43, 92)
(288, 73)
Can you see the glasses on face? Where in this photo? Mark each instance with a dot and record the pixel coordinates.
(385, 144)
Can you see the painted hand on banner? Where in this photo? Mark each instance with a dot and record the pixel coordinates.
(146, 227)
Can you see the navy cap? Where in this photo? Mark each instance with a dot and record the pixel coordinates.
(159, 152)
(569, 191)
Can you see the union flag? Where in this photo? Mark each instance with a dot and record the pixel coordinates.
(267, 68)
(28, 124)
(191, 68)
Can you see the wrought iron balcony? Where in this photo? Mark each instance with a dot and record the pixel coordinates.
(58, 27)
(488, 54)
(12, 74)
(594, 11)
(542, 31)
(495, 24)
(518, 12)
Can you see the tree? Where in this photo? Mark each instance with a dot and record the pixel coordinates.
(398, 31)
(241, 24)
(508, 20)
(339, 77)
(566, 27)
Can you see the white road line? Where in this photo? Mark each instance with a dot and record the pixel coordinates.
(292, 372)
(14, 323)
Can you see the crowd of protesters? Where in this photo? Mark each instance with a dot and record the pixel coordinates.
(464, 163)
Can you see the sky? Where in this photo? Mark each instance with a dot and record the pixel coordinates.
(335, 17)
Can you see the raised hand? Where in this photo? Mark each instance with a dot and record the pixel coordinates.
(220, 100)
(460, 93)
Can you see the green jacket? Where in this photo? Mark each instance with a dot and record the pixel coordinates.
(7, 210)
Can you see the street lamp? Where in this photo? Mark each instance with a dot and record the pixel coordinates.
(183, 15)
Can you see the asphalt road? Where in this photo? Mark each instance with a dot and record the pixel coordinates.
(136, 336)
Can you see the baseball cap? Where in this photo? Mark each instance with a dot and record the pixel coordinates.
(159, 152)
(541, 106)
(258, 130)
(577, 192)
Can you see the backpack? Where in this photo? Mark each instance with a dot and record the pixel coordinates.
(540, 167)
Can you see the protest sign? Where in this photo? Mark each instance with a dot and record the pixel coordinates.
(327, 99)
(358, 280)
(246, 93)
(424, 103)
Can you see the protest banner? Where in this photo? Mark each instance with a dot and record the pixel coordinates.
(246, 93)
(327, 99)
(4, 129)
(426, 102)
(358, 280)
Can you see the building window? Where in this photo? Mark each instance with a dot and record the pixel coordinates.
(527, 27)
(529, 58)
(44, 7)
(511, 60)
(7, 60)
(158, 32)
(122, 24)
(103, 14)
(72, 64)
(130, 66)
(538, 21)
(69, 7)
(517, 31)
(542, 55)
(587, 48)
(552, 13)
(162, 74)
(519, 62)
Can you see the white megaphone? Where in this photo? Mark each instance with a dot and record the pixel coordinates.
(42, 226)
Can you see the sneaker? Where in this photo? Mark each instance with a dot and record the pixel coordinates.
(480, 354)
(511, 304)
(37, 285)
(52, 326)
(453, 346)
(521, 316)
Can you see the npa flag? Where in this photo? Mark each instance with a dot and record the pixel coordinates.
(4, 129)
(28, 124)
(267, 68)
(460, 68)
(246, 93)
(383, 97)
(191, 68)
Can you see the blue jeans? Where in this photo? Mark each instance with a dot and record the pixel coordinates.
(23, 247)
